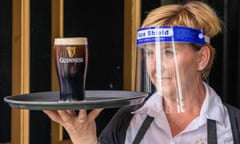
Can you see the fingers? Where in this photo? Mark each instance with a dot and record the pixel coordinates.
(82, 116)
(63, 116)
(71, 113)
(67, 115)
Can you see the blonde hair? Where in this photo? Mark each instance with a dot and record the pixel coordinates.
(194, 14)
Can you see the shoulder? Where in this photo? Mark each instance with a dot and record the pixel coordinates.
(233, 110)
(234, 115)
(115, 131)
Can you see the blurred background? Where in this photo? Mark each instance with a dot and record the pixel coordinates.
(28, 25)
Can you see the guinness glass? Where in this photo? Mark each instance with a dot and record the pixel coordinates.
(71, 55)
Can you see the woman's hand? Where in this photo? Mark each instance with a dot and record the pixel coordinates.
(81, 127)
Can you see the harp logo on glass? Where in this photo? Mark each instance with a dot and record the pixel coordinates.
(71, 53)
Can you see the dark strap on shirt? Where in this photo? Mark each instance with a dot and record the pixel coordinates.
(147, 122)
(115, 131)
(211, 130)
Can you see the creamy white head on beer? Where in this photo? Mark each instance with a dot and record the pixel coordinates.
(71, 41)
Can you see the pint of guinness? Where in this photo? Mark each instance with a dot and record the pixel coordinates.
(71, 55)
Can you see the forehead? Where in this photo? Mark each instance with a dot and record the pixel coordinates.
(177, 46)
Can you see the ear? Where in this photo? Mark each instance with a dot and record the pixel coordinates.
(203, 57)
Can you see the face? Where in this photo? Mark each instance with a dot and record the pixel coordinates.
(172, 68)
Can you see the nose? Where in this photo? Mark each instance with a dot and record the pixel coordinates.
(160, 63)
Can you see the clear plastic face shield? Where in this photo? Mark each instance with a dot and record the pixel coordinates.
(166, 64)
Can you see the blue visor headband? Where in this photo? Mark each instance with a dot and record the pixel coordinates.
(171, 34)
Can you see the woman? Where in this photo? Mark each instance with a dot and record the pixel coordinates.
(184, 109)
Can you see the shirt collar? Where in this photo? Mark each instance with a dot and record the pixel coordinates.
(152, 107)
(212, 107)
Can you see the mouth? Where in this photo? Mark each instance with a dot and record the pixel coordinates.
(163, 77)
(167, 78)
(163, 80)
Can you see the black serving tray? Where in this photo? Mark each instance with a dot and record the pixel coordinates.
(94, 99)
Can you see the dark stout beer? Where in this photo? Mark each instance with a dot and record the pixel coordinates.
(71, 55)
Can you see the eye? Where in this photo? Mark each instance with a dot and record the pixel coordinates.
(169, 52)
(149, 53)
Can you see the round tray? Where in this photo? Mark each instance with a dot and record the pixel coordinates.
(94, 99)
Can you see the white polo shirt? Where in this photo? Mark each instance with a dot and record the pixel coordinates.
(195, 133)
